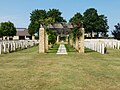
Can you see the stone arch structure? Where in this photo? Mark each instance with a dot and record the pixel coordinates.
(64, 29)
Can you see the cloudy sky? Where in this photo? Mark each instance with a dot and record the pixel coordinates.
(18, 11)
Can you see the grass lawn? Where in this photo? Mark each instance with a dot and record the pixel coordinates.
(29, 70)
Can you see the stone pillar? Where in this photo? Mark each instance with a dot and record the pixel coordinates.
(46, 42)
(57, 38)
(81, 41)
(77, 43)
(71, 39)
(42, 40)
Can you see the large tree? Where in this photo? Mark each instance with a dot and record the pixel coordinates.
(76, 19)
(90, 18)
(37, 17)
(116, 32)
(41, 16)
(56, 15)
(94, 22)
(7, 29)
(101, 25)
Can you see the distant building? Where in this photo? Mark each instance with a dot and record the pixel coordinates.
(22, 34)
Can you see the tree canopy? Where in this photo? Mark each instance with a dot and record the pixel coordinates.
(116, 32)
(42, 16)
(101, 25)
(56, 15)
(37, 17)
(7, 29)
(94, 22)
(76, 19)
(90, 18)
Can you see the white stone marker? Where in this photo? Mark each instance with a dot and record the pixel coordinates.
(103, 48)
(61, 49)
(118, 45)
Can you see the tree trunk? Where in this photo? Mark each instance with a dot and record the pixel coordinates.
(97, 34)
(91, 34)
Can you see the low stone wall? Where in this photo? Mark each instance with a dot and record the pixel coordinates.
(101, 45)
(11, 46)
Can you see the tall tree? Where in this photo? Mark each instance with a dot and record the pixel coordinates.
(76, 19)
(8, 29)
(116, 32)
(37, 17)
(56, 15)
(41, 16)
(90, 18)
(101, 25)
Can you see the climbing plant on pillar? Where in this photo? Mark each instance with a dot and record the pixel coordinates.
(51, 36)
(76, 32)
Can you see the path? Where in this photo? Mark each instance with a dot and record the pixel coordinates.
(61, 49)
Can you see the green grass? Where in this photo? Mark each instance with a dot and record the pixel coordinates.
(53, 49)
(29, 70)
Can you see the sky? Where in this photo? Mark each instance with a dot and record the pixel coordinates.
(18, 11)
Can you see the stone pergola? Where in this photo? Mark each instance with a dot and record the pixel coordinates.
(64, 29)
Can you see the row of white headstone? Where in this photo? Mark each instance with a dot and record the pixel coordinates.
(11, 46)
(101, 45)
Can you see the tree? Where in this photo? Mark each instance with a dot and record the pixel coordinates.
(41, 16)
(33, 28)
(76, 19)
(1, 33)
(7, 29)
(51, 36)
(90, 18)
(56, 15)
(94, 22)
(101, 25)
(116, 32)
(37, 17)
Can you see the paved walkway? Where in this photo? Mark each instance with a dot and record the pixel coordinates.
(61, 49)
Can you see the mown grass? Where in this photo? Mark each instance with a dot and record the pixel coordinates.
(53, 49)
(29, 70)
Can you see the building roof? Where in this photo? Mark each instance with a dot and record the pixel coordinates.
(22, 32)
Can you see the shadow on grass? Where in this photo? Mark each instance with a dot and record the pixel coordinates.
(87, 50)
